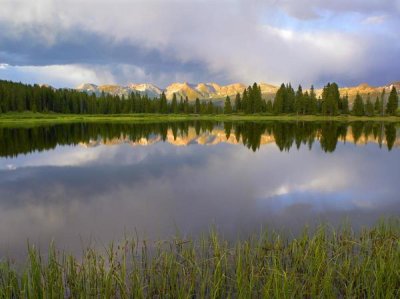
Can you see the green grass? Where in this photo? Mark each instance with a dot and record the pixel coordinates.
(322, 264)
(29, 118)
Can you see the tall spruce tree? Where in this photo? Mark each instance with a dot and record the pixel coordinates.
(279, 99)
(383, 98)
(174, 104)
(238, 103)
(197, 107)
(378, 106)
(345, 105)
(393, 102)
(312, 106)
(330, 99)
(228, 106)
(369, 107)
(358, 106)
(299, 101)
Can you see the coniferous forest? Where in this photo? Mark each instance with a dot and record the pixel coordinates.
(18, 97)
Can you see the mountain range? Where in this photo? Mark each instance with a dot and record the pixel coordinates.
(214, 91)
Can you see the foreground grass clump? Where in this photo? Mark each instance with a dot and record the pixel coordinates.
(333, 264)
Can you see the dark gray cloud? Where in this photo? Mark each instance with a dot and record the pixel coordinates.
(305, 9)
(307, 41)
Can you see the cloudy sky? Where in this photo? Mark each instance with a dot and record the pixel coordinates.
(68, 42)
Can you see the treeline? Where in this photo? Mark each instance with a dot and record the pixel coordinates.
(289, 101)
(22, 97)
(18, 97)
(15, 141)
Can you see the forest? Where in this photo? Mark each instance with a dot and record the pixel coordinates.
(19, 97)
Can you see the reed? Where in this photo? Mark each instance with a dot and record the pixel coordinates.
(326, 263)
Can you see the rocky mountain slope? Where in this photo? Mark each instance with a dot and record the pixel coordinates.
(215, 91)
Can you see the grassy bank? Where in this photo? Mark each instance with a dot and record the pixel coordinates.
(29, 118)
(328, 264)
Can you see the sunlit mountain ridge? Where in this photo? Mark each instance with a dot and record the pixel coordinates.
(214, 91)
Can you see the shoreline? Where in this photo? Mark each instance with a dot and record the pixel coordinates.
(26, 118)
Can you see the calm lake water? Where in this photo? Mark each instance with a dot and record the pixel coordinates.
(82, 183)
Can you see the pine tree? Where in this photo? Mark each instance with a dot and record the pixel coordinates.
(181, 106)
(174, 104)
(197, 106)
(257, 98)
(227, 106)
(238, 103)
(186, 105)
(378, 106)
(268, 107)
(288, 104)
(245, 100)
(345, 105)
(250, 100)
(299, 101)
(279, 99)
(330, 99)
(163, 104)
(312, 106)
(369, 107)
(210, 107)
(383, 101)
(393, 102)
(358, 106)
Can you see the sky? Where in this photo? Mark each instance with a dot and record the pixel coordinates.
(69, 42)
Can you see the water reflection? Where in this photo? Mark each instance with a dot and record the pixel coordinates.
(98, 181)
(15, 141)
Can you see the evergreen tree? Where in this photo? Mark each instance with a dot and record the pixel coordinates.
(383, 101)
(369, 107)
(378, 106)
(299, 101)
(345, 105)
(330, 99)
(250, 101)
(238, 103)
(197, 106)
(210, 107)
(186, 105)
(227, 106)
(393, 102)
(312, 105)
(181, 106)
(268, 107)
(279, 99)
(256, 98)
(358, 106)
(245, 100)
(174, 104)
(288, 104)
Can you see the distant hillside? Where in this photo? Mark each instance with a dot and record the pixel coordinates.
(214, 91)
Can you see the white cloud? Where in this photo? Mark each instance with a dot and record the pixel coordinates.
(375, 19)
(244, 40)
(73, 74)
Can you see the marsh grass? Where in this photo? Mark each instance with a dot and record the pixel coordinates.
(326, 263)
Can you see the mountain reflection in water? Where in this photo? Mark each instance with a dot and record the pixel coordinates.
(285, 135)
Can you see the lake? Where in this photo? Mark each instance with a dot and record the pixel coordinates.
(87, 183)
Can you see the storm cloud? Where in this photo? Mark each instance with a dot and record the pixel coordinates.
(65, 43)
